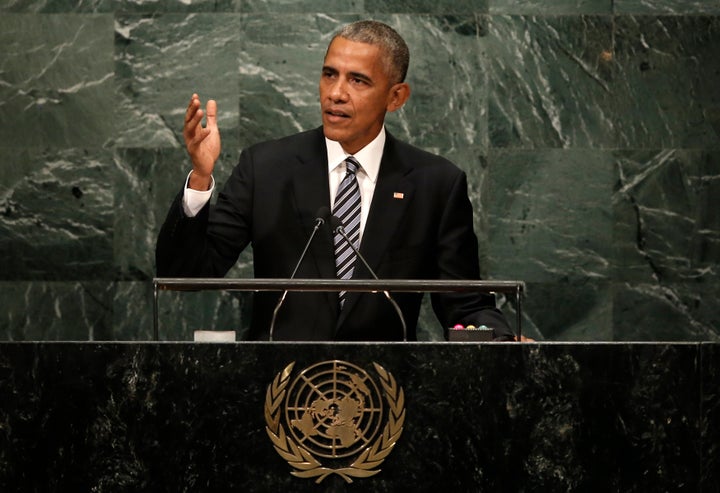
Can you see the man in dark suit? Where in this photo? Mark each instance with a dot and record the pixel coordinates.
(412, 218)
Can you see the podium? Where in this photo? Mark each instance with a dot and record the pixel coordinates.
(180, 417)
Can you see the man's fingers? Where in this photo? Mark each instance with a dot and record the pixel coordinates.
(194, 123)
(194, 133)
(193, 106)
(211, 112)
(199, 136)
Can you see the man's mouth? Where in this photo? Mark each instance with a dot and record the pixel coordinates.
(336, 114)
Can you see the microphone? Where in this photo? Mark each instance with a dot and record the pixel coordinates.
(338, 228)
(322, 213)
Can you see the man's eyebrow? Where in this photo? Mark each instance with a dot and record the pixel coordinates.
(357, 75)
(360, 75)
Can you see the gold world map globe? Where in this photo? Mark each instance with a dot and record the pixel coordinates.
(334, 409)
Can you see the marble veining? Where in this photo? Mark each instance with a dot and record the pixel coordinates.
(588, 130)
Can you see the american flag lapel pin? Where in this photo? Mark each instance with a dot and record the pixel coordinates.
(398, 195)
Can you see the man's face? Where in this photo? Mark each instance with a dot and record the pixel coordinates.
(355, 93)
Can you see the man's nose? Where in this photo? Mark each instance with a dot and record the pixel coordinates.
(338, 91)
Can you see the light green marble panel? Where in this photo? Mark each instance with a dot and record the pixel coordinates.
(682, 311)
(550, 214)
(554, 7)
(56, 80)
(280, 69)
(149, 181)
(161, 61)
(55, 311)
(667, 222)
(666, 83)
(568, 310)
(671, 7)
(124, 6)
(175, 6)
(330, 7)
(56, 6)
(57, 214)
(475, 164)
(447, 112)
(550, 81)
(179, 313)
(447, 7)
(279, 73)
(132, 313)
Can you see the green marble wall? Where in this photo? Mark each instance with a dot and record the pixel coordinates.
(589, 130)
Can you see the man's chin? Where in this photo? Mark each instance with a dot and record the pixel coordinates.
(331, 133)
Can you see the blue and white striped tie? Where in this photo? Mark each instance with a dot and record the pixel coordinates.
(347, 209)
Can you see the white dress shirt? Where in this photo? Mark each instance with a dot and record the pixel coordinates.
(369, 158)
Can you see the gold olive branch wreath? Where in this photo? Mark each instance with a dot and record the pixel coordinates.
(306, 465)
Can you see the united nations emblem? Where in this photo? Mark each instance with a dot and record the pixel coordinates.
(333, 419)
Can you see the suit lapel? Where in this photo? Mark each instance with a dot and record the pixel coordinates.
(311, 192)
(393, 194)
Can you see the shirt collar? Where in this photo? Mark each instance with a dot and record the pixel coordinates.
(369, 156)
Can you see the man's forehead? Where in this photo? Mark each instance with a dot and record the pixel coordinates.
(346, 52)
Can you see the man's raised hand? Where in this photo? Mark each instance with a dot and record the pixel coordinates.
(202, 143)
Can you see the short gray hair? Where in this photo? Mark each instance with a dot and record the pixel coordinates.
(395, 51)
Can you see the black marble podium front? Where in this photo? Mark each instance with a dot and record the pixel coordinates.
(178, 417)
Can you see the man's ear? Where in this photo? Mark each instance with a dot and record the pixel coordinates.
(399, 93)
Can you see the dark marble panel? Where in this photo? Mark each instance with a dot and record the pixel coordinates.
(279, 73)
(451, 7)
(428, 328)
(56, 81)
(132, 312)
(673, 311)
(667, 223)
(540, 7)
(280, 70)
(673, 7)
(161, 61)
(175, 6)
(666, 241)
(476, 166)
(180, 314)
(665, 86)
(549, 214)
(56, 220)
(56, 6)
(148, 183)
(550, 81)
(567, 310)
(102, 6)
(492, 417)
(710, 417)
(56, 311)
(447, 111)
(330, 7)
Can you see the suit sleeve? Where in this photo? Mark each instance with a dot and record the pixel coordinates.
(208, 244)
(457, 258)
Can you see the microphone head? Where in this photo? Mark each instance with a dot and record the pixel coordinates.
(322, 214)
(335, 223)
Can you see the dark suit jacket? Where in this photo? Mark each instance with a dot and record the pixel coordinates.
(271, 200)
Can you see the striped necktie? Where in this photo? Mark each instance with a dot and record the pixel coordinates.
(347, 209)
